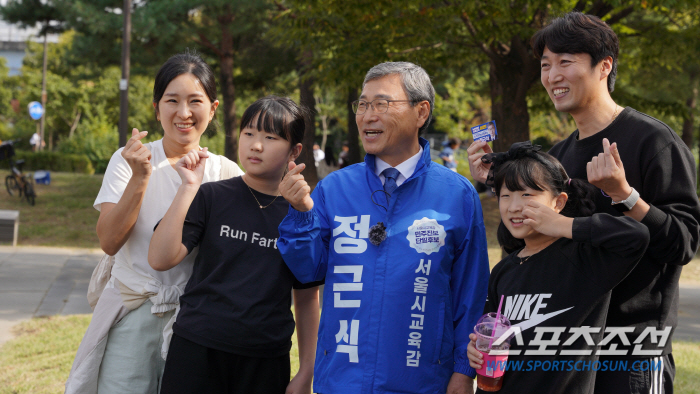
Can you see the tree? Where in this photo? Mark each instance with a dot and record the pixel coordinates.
(461, 106)
(29, 13)
(444, 36)
(660, 70)
(229, 35)
(6, 110)
(339, 46)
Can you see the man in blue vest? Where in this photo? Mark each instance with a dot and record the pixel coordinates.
(400, 242)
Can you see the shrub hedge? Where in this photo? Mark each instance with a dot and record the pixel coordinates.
(53, 161)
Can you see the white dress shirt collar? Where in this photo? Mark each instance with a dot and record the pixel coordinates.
(406, 169)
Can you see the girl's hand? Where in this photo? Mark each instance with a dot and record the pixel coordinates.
(299, 385)
(295, 190)
(547, 221)
(478, 168)
(191, 167)
(476, 359)
(137, 156)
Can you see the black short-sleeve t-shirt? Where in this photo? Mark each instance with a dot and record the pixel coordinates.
(238, 299)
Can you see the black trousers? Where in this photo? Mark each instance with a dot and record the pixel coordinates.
(647, 379)
(192, 368)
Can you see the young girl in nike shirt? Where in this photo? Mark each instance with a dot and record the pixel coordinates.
(234, 327)
(559, 278)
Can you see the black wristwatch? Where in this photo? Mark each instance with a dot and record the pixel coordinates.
(626, 204)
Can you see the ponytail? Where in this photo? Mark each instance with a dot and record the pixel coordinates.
(581, 200)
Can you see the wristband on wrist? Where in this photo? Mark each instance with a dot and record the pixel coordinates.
(628, 203)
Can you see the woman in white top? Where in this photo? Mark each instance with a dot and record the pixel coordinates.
(125, 346)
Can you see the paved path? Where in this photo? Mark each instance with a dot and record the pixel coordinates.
(38, 281)
(688, 313)
(43, 282)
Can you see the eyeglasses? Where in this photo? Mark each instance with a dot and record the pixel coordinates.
(379, 106)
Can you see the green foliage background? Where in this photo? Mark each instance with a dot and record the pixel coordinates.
(275, 44)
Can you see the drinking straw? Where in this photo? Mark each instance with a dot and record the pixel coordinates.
(498, 319)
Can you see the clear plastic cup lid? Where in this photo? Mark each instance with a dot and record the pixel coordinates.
(491, 318)
(485, 325)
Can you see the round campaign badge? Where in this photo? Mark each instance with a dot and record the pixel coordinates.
(426, 236)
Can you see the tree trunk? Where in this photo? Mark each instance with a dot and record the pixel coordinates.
(306, 98)
(324, 130)
(74, 125)
(690, 103)
(229, 94)
(353, 133)
(511, 75)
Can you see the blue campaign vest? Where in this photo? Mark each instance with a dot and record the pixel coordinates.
(389, 311)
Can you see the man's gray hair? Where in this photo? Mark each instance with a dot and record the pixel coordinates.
(414, 80)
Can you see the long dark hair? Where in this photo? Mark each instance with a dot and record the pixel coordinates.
(525, 166)
(276, 115)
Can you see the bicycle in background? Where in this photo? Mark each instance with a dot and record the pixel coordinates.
(17, 181)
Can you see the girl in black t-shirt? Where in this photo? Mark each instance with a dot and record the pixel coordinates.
(233, 331)
(558, 280)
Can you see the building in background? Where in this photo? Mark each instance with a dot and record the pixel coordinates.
(13, 44)
(13, 52)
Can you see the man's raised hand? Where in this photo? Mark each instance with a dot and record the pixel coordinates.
(607, 173)
(478, 168)
(295, 190)
(137, 156)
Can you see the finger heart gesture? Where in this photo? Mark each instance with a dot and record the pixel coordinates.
(607, 173)
(191, 166)
(295, 190)
(137, 156)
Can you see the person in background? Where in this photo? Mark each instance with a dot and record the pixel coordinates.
(448, 154)
(318, 154)
(34, 142)
(344, 156)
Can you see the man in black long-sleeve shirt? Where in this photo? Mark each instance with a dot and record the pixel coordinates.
(644, 171)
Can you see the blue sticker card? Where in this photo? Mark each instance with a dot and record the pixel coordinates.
(485, 132)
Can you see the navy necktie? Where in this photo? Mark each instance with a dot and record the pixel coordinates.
(390, 175)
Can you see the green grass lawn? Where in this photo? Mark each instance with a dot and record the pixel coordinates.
(687, 358)
(40, 358)
(63, 215)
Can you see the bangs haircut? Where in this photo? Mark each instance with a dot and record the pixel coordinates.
(516, 175)
(276, 115)
(544, 173)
